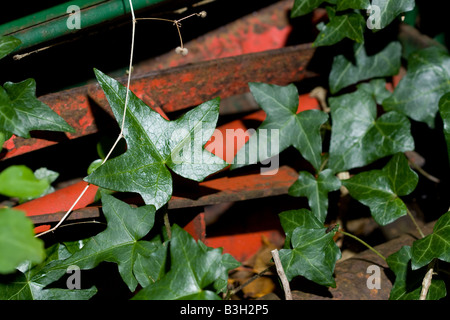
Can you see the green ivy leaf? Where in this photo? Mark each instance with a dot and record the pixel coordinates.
(150, 269)
(29, 281)
(302, 7)
(292, 219)
(377, 89)
(21, 111)
(313, 255)
(3, 137)
(300, 130)
(427, 80)
(17, 241)
(316, 190)
(228, 263)
(7, 45)
(444, 110)
(380, 189)
(352, 4)
(388, 10)
(358, 138)
(47, 175)
(383, 64)
(408, 283)
(341, 26)
(435, 245)
(119, 243)
(194, 270)
(20, 181)
(155, 144)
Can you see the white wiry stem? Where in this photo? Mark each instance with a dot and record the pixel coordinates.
(121, 127)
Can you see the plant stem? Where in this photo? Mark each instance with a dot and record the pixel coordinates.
(363, 242)
(322, 166)
(424, 173)
(415, 223)
(282, 274)
(121, 127)
(66, 215)
(167, 224)
(426, 283)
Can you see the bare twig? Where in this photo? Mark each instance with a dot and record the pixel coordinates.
(423, 172)
(242, 286)
(167, 224)
(281, 274)
(426, 283)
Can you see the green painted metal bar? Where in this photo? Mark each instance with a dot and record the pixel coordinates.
(52, 23)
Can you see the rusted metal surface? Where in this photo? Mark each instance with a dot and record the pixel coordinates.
(196, 227)
(79, 214)
(51, 207)
(351, 274)
(239, 188)
(174, 89)
(181, 87)
(266, 29)
(60, 200)
(243, 246)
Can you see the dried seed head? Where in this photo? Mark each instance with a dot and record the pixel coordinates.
(182, 51)
(202, 14)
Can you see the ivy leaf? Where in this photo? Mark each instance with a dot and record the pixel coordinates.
(155, 144)
(20, 181)
(3, 137)
(292, 219)
(435, 245)
(316, 190)
(17, 241)
(228, 263)
(408, 283)
(380, 189)
(47, 175)
(119, 243)
(352, 4)
(7, 45)
(384, 63)
(313, 255)
(377, 89)
(339, 27)
(150, 269)
(427, 80)
(359, 138)
(444, 110)
(29, 282)
(301, 130)
(21, 111)
(387, 10)
(194, 270)
(302, 7)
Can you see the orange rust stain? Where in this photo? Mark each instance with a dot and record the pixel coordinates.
(243, 246)
(9, 144)
(227, 140)
(42, 228)
(60, 200)
(186, 77)
(306, 102)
